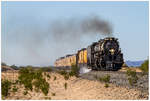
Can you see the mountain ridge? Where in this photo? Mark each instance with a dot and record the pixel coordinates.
(134, 63)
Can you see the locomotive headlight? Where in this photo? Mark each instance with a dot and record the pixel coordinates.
(112, 51)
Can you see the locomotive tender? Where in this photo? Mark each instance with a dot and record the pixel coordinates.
(102, 55)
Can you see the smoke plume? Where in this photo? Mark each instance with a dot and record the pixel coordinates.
(41, 44)
(77, 27)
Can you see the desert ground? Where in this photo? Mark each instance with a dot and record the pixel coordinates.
(77, 89)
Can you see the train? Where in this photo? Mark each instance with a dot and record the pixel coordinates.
(102, 55)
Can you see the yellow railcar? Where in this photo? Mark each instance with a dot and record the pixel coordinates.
(66, 61)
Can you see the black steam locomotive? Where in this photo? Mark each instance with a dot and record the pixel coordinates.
(102, 55)
(105, 55)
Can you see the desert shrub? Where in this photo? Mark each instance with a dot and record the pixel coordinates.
(26, 75)
(45, 88)
(25, 92)
(106, 85)
(46, 69)
(132, 77)
(55, 78)
(65, 85)
(66, 77)
(14, 89)
(6, 86)
(65, 74)
(48, 76)
(53, 94)
(75, 70)
(105, 79)
(62, 72)
(131, 72)
(145, 66)
(41, 84)
(71, 73)
(16, 82)
(29, 78)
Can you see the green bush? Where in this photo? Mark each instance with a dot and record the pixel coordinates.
(55, 78)
(105, 79)
(41, 84)
(132, 77)
(48, 76)
(65, 74)
(25, 92)
(66, 77)
(71, 73)
(16, 82)
(74, 71)
(45, 88)
(65, 85)
(131, 73)
(6, 86)
(26, 75)
(106, 85)
(62, 72)
(46, 69)
(145, 66)
(29, 78)
(15, 89)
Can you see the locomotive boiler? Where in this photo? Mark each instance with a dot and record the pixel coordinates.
(102, 55)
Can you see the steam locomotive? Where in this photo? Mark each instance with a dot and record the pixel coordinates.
(102, 55)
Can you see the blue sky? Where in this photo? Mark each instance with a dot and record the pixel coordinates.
(26, 39)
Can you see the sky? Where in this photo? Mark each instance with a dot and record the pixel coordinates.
(29, 29)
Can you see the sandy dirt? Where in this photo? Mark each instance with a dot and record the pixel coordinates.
(124, 69)
(77, 89)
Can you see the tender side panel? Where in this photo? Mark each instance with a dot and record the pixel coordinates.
(85, 56)
(82, 57)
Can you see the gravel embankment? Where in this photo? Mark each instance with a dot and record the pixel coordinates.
(119, 79)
